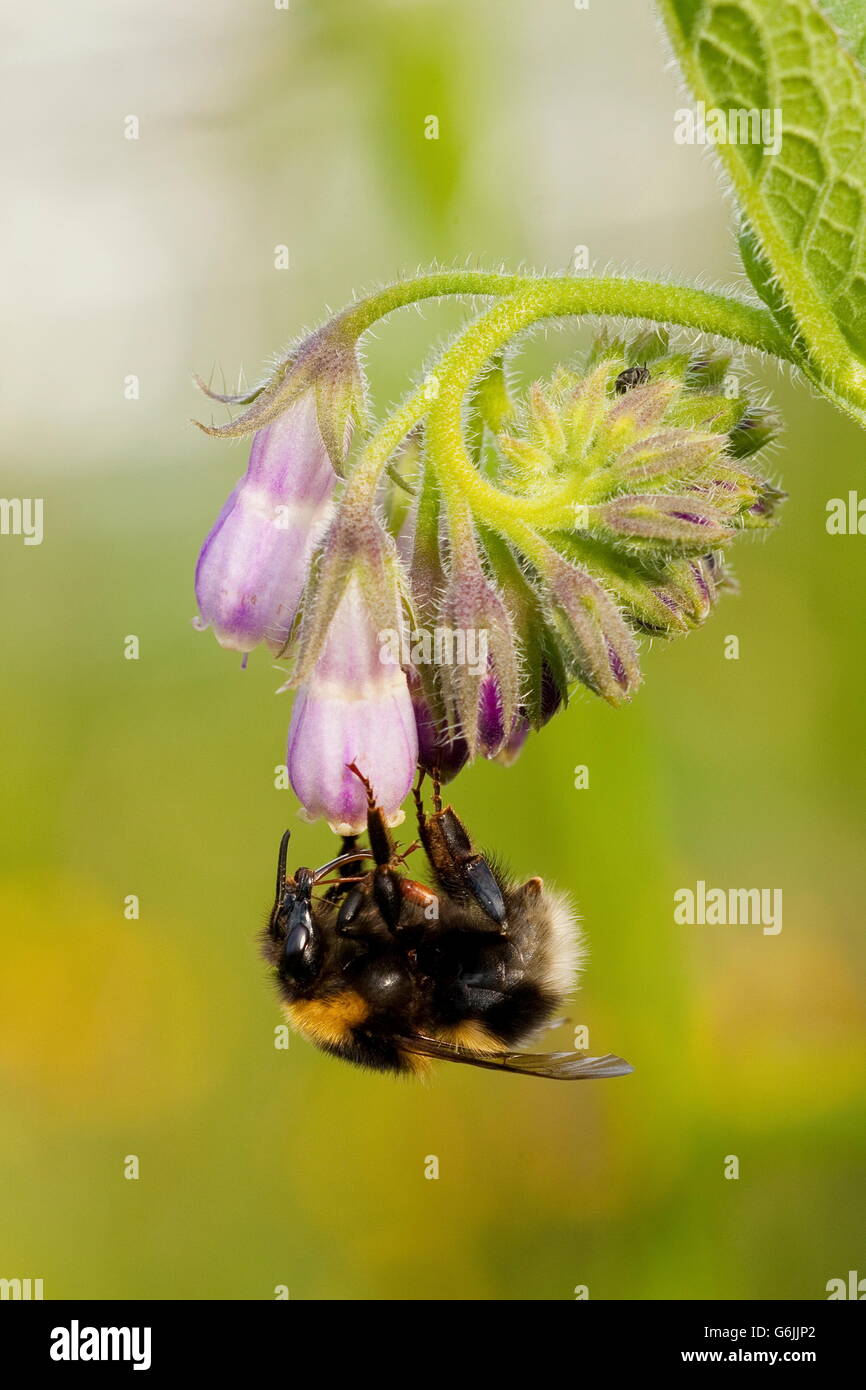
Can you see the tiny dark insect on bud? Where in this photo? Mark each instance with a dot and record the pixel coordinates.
(631, 377)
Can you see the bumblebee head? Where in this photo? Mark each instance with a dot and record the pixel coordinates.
(295, 939)
(291, 927)
(347, 995)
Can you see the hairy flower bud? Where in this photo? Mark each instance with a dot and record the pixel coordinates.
(253, 566)
(356, 550)
(550, 699)
(354, 709)
(642, 472)
(667, 522)
(440, 753)
(480, 688)
(513, 745)
(493, 732)
(324, 366)
(595, 637)
(756, 428)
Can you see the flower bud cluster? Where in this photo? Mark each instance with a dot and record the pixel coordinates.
(636, 472)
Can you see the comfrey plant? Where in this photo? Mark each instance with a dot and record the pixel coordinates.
(547, 531)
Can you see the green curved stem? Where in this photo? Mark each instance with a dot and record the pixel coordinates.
(438, 284)
(535, 299)
(704, 310)
(387, 439)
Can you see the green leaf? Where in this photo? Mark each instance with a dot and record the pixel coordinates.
(803, 199)
(850, 18)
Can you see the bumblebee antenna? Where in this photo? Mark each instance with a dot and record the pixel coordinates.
(281, 864)
(342, 859)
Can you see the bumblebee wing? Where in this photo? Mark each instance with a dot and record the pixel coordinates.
(555, 1066)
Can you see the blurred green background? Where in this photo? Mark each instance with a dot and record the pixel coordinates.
(258, 1167)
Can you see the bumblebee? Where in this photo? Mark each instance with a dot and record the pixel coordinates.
(391, 974)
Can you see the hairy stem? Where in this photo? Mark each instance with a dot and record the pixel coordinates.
(704, 310)
(535, 299)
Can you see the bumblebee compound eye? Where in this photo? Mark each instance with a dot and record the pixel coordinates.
(301, 954)
(290, 892)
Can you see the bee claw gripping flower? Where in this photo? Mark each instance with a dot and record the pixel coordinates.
(253, 566)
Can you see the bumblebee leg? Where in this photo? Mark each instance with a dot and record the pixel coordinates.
(381, 842)
(387, 887)
(347, 870)
(387, 896)
(404, 854)
(352, 893)
(370, 908)
(482, 884)
(420, 813)
(409, 909)
(419, 895)
(350, 907)
(461, 871)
